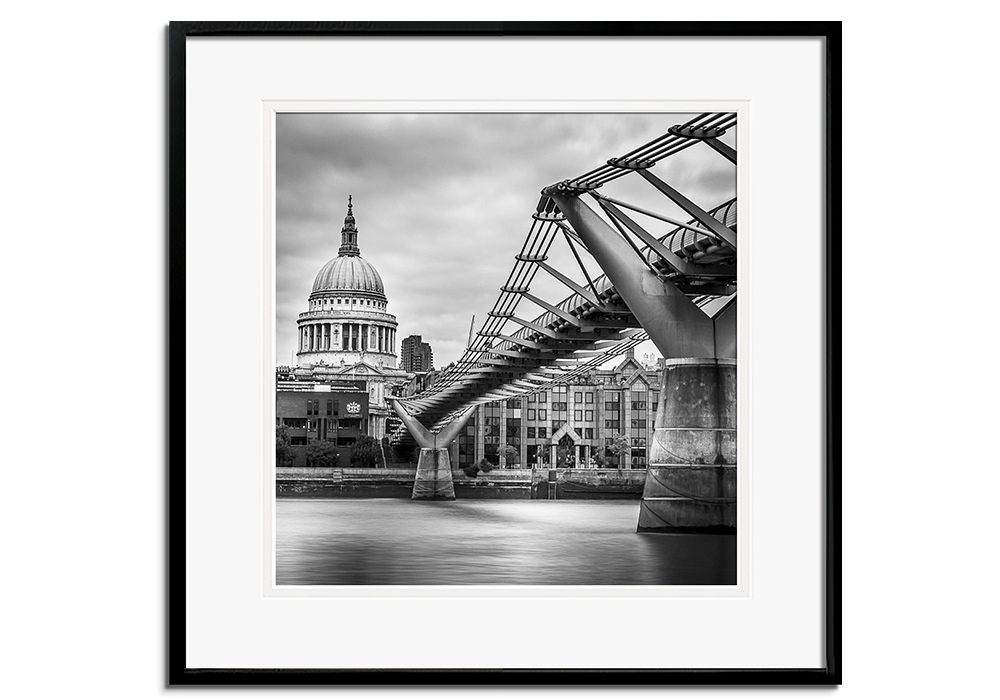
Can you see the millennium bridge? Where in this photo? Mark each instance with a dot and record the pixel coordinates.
(675, 288)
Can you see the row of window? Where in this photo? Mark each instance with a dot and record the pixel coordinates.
(312, 424)
(579, 397)
(491, 426)
(613, 403)
(327, 303)
(332, 408)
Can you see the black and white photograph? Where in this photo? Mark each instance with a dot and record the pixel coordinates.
(505, 348)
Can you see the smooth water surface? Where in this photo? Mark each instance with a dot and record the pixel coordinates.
(488, 542)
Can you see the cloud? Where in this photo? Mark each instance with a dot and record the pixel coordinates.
(443, 202)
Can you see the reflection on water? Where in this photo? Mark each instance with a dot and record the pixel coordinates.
(522, 542)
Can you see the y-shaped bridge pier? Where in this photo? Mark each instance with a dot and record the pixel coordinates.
(433, 481)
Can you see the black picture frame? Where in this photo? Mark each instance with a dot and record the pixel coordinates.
(180, 675)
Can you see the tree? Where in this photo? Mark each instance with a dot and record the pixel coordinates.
(322, 453)
(619, 448)
(366, 452)
(511, 455)
(282, 447)
(484, 465)
(565, 456)
(566, 452)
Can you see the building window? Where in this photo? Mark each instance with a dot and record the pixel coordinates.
(588, 415)
(588, 433)
(531, 431)
(541, 432)
(613, 424)
(638, 405)
(578, 396)
(329, 408)
(612, 406)
(590, 397)
(542, 414)
(559, 406)
(577, 415)
(531, 414)
(531, 398)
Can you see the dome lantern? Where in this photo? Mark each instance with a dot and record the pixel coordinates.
(349, 233)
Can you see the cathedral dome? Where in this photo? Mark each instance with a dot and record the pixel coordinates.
(348, 273)
(348, 322)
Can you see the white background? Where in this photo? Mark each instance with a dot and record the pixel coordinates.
(83, 583)
(230, 626)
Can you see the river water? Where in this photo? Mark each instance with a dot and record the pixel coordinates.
(488, 542)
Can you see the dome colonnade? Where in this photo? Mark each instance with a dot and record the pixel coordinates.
(347, 321)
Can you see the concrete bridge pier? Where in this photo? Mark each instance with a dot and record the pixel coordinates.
(691, 479)
(433, 480)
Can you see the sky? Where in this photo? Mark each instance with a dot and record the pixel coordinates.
(443, 202)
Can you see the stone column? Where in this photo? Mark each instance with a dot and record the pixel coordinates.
(626, 416)
(691, 480)
(480, 452)
(503, 434)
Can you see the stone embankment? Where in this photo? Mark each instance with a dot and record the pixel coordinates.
(397, 482)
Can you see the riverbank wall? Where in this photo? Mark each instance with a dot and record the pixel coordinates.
(545, 484)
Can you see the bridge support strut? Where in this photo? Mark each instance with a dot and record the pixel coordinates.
(691, 479)
(433, 480)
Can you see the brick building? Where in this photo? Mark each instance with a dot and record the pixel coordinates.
(336, 412)
(583, 418)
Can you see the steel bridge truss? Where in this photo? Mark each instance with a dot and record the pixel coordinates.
(512, 355)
